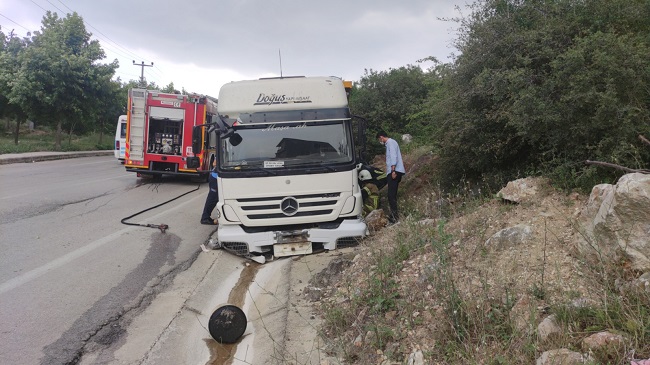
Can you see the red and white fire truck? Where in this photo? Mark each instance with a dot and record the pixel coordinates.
(159, 133)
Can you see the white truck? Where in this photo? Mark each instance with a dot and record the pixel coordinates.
(287, 167)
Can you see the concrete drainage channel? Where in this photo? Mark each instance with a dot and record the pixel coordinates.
(280, 324)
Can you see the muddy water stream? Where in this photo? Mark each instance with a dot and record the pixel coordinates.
(223, 354)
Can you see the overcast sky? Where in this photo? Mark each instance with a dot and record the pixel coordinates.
(202, 44)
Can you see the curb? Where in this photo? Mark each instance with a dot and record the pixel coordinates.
(30, 157)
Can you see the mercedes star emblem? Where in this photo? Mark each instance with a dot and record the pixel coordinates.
(289, 206)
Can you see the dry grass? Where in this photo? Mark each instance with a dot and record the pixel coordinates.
(431, 283)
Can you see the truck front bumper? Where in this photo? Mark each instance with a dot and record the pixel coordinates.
(234, 238)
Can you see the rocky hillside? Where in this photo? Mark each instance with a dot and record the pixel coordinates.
(519, 278)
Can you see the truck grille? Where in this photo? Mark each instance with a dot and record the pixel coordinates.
(238, 248)
(348, 242)
(282, 207)
(282, 215)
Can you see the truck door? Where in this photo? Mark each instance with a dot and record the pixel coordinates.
(137, 125)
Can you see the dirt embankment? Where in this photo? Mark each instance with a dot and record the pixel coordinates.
(469, 280)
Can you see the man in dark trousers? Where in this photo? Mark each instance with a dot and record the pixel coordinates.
(394, 170)
(213, 197)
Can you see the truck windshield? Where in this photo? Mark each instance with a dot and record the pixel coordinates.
(287, 145)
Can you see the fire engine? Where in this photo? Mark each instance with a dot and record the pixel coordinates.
(159, 134)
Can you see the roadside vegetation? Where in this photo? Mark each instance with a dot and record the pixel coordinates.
(539, 88)
(43, 139)
(77, 96)
(431, 284)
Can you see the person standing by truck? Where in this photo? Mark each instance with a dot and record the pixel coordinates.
(395, 170)
(213, 197)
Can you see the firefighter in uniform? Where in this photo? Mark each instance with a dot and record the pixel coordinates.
(372, 180)
(369, 192)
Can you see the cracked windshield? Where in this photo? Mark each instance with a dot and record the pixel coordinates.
(287, 145)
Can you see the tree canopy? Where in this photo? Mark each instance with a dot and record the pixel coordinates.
(542, 86)
(539, 87)
(59, 78)
(55, 77)
(11, 48)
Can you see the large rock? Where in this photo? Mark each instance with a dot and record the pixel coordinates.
(521, 190)
(621, 222)
(596, 198)
(605, 344)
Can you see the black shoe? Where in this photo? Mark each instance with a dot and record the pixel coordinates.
(210, 222)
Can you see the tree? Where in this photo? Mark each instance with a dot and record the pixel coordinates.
(540, 86)
(390, 99)
(11, 47)
(110, 104)
(169, 89)
(59, 73)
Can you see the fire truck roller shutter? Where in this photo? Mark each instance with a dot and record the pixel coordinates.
(167, 113)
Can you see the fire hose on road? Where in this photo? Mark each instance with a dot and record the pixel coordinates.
(162, 227)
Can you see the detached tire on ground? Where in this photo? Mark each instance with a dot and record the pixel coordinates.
(227, 324)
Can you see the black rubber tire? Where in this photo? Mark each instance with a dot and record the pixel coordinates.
(227, 324)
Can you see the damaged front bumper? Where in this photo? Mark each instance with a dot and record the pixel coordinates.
(290, 242)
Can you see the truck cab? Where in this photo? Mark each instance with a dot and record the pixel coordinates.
(287, 167)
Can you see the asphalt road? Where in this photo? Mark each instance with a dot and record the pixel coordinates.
(70, 272)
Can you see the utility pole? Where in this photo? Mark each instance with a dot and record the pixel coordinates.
(142, 71)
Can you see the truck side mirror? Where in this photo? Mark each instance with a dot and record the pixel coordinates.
(196, 139)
